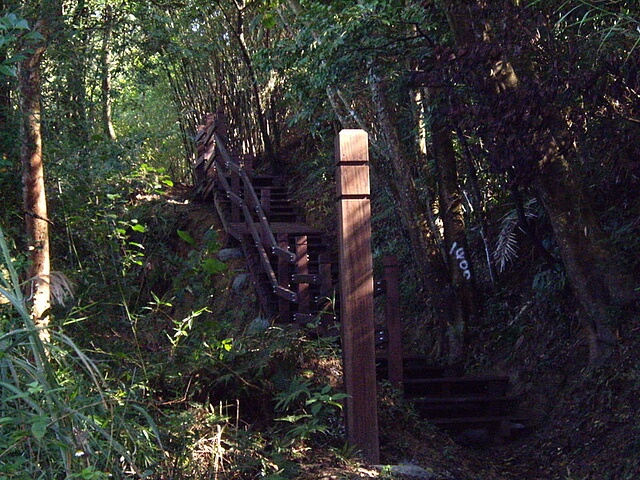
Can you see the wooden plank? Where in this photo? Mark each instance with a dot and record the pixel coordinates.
(462, 386)
(326, 282)
(308, 278)
(235, 189)
(356, 290)
(285, 293)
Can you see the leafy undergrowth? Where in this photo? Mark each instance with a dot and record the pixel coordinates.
(583, 422)
(235, 396)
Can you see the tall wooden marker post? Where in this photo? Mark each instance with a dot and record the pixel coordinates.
(356, 291)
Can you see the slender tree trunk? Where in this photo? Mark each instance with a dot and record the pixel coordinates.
(412, 212)
(238, 32)
(477, 202)
(35, 203)
(455, 237)
(105, 66)
(5, 113)
(76, 94)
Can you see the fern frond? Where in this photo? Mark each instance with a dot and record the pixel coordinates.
(506, 247)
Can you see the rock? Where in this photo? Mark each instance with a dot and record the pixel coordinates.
(474, 437)
(240, 282)
(227, 254)
(259, 324)
(409, 471)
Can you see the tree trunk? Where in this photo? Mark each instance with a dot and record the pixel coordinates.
(35, 203)
(582, 248)
(455, 238)
(76, 93)
(425, 252)
(105, 66)
(6, 129)
(238, 33)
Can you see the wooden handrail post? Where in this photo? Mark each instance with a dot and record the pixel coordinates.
(356, 290)
(284, 275)
(235, 188)
(326, 282)
(302, 267)
(394, 326)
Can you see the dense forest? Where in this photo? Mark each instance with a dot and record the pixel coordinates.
(508, 131)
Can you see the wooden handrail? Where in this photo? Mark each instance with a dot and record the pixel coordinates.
(255, 202)
(260, 238)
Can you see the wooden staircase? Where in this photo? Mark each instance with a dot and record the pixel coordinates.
(308, 276)
(288, 259)
(294, 277)
(474, 409)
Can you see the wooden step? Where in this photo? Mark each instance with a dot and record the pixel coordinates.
(290, 228)
(456, 387)
(499, 425)
(462, 407)
(416, 367)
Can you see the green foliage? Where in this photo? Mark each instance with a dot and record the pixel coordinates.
(615, 25)
(15, 33)
(60, 419)
(310, 409)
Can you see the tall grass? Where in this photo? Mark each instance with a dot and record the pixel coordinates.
(58, 418)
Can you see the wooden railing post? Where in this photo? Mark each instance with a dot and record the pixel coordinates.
(394, 327)
(284, 275)
(356, 290)
(236, 215)
(302, 267)
(265, 201)
(326, 281)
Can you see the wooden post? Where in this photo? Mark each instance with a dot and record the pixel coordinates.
(302, 264)
(326, 281)
(356, 290)
(394, 327)
(284, 306)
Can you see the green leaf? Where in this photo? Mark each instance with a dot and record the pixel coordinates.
(213, 266)
(269, 21)
(34, 36)
(292, 418)
(39, 427)
(186, 236)
(138, 228)
(8, 71)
